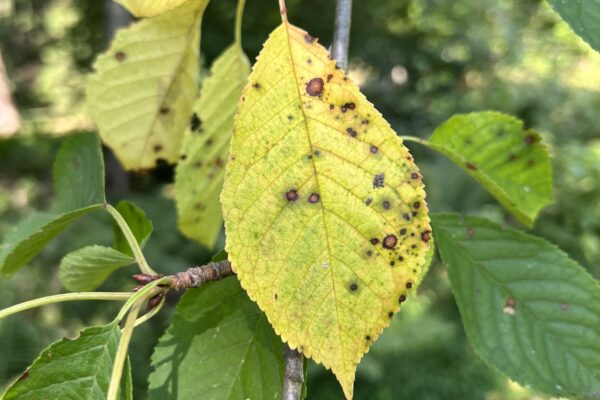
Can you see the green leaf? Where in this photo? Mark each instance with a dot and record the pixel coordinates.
(87, 268)
(220, 346)
(74, 369)
(528, 309)
(79, 187)
(142, 93)
(583, 16)
(509, 162)
(199, 175)
(138, 222)
(150, 8)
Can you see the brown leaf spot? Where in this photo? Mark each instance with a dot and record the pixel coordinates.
(275, 296)
(368, 338)
(309, 39)
(314, 198)
(390, 241)
(402, 298)
(374, 149)
(406, 217)
(378, 181)
(529, 139)
(291, 195)
(315, 87)
(374, 241)
(369, 253)
(390, 314)
(353, 287)
(414, 175)
(164, 110)
(510, 307)
(368, 201)
(157, 148)
(351, 132)
(120, 56)
(183, 157)
(471, 166)
(386, 204)
(195, 122)
(256, 85)
(348, 106)
(403, 231)
(329, 77)
(426, 236)
(409, 285)
(416, 204)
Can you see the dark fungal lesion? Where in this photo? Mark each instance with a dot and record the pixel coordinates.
(379, 180)
(353, 287)
(314, 198)
(315, 87)
(195, 123)
(120, 56)
(292, 195)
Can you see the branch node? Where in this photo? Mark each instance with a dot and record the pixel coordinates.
(196, 276)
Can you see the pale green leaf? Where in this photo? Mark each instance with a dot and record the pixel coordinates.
(199, 175)
(87, 268)
(74, 369)
(79, 187)
(583, 16)
(528, 309)
(142, 93)
(509, 162)
(220, 346)
(138, 222)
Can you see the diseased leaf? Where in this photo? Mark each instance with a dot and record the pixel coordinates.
(138, 222)
(87, 268)
(74, 369)
(583, 16)
(79, 187)
(527, 308)
(142, 112)
(150, 8)
(220, 346)
(509, 162)
(324, 209)
(199, 175)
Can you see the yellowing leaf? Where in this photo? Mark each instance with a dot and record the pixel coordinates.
(142, 94)
(150, 8)
(325, 211)
(200, 172)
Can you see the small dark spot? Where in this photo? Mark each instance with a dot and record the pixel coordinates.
(309, 61)
(390, 241)
(409, 285)
(374, 241)
(353, 287)
(414, 246)
(414, 175)
(392, 263)
(309, 156)
(208, 142)
(402, 298)
(412, 234)
(365, 122)
(120, 56)
(199, 206)
(368, 338)
(378, 181)
(164, 110)
(403, 231)
(351, 132)
(256, 85)
(314, 198)
(329, 77)
(315, 87)
(348, 106)
(471, 166)
(426, 236)
(337, 66)
(368, 201)
(512, 157)
(308, 39)
(390, 314)
(291, 195)
(183, 157)
(369, 253)
(400, 258)
(290, 117)
(331, 106)
(530, 163)
(198, 164)
(219, 162)
(195, 122)
(470, 232)
(414, 213)
(374, 149)
(317, 153)
(416, 204)
(386, 204)
(529, 139)
(275, 296)
(157, 148)
(406, 217)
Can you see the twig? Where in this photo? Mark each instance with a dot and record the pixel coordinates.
(341, 34)
(294, 374)
(197, 276)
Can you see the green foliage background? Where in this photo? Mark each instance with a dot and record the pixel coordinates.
(418, 61)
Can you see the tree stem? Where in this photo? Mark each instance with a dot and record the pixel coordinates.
(60, 298)
(294, 374)
(341, 34)
(197, 276)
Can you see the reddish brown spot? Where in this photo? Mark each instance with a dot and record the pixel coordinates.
(406, 217)
(386, 204)
(315, 87)
(403, 231)
(308, 39)
(426, 236)
(348, 106)
(351, 132)
(374, 149)
(416, 204)
(414, 175)
(329, 77)
(471, 166)
(409, 285)
(120, 56)
(353, 287)
(309, 61)
(374, 241)
(314, 198)
(291, 195)
(470, 232)
(402, 298)
(529, 139)
(390, 241)
(331, 106)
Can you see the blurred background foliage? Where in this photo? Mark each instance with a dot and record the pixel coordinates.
(418, 61)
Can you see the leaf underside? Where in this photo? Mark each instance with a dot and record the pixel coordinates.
(527, 308)
(583, 16)
(324, 208)
(220, 346)
(200, 172)
(508, 161)
(74, 369)
(142, 113)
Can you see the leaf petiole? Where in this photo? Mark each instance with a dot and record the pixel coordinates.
(144, 293)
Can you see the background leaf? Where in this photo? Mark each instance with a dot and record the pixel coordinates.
(79, 187)
(324, 209)
(508, 161)
(220, 346)
(87, 268)
(527, 308)
(142, 113)
(199, 175)
(74, 369)
(150, 8)
(138, 222)
(583, 16)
